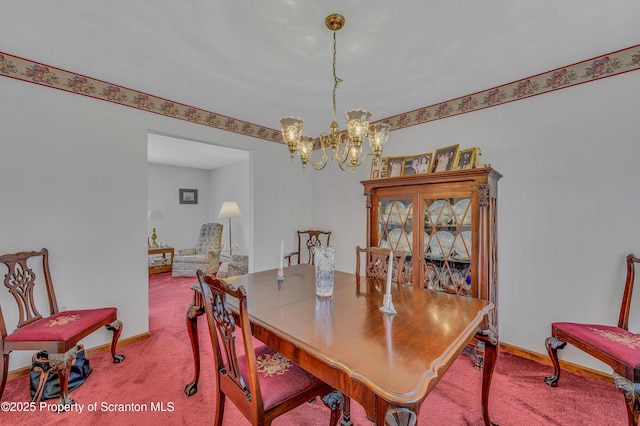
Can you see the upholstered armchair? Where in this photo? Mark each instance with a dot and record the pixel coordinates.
(204, 256)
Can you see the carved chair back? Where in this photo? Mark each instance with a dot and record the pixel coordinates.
(307, 240)
(377, 263)
(225, 328)
(277, 387)
(21, 282)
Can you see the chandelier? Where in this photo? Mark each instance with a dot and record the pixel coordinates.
(346, 147)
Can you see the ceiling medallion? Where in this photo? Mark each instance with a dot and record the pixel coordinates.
(346, 147)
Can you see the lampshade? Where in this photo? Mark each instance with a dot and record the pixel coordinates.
(357, 124)
(229, 209)
(155, 218)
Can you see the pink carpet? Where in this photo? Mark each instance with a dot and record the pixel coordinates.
(156, 370)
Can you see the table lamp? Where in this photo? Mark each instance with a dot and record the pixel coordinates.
(229, 209)
(155, 218)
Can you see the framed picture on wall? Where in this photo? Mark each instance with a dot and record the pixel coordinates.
(378, 168)
(188, 196)
(416, 165)
(443, 158)
(466, 159)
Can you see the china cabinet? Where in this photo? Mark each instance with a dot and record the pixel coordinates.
(446, 224)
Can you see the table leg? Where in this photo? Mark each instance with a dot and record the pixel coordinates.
(400, 417)
(389, 415)
(346, 412)
(490, 356)
(195, 310)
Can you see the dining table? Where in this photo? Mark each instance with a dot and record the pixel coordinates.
(388, 363)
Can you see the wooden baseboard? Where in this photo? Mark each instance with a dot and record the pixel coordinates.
(18, 372)
(565, 365)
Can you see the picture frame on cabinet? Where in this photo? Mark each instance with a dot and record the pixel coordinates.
(379, 168)
(466, 159)
(417, 165)
(395, 165)
(444, 158)
(188, 196)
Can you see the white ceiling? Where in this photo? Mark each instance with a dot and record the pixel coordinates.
(172, 151)
(260, 60)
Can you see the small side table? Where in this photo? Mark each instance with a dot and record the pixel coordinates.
(160, 260)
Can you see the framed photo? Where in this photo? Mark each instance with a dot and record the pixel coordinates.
(395, 165)
(188, 196)
(466, 159)
(416, 165)
(378, 168)
(444, 158)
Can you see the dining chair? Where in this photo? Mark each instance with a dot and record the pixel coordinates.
(259, 381)
(59, 332)
(377, 263)
(307, 240)
(614, 345)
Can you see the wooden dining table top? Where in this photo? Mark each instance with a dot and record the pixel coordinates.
(348, 342)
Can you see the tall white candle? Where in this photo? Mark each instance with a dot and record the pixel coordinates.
(389, 273)
(281, 253)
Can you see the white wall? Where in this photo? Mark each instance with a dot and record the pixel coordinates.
(73, 173)
(232, 183)
(182, 222)
(568, 203)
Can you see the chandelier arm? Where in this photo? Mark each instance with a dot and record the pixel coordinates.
(342, 153)
(357, 164)
(316, 167)
(319, 165)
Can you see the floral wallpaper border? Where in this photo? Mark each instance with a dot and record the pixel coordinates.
(608, 65)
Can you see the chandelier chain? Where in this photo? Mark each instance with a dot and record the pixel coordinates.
(336, 80)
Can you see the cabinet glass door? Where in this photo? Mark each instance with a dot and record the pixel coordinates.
(447, 245)
(395, 230)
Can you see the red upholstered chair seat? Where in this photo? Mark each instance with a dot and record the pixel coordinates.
(61, 326)
(613, 345)
(280, 379)
(613, 341)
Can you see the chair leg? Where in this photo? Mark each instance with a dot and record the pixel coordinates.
(631, 393)
(62, 363)
(219, 407)
(553, 344)
(116, 328)
(4, 370)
